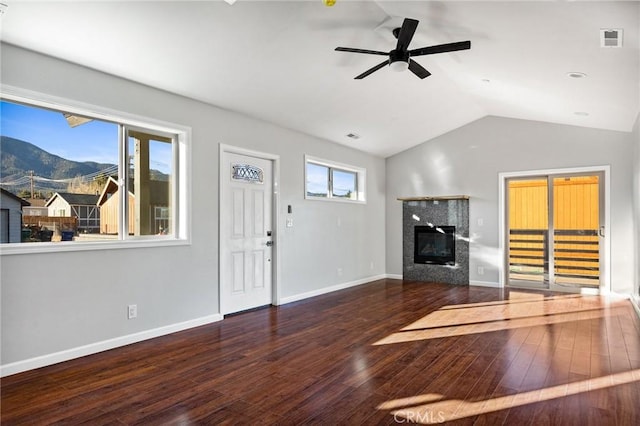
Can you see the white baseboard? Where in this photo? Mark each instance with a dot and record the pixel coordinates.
(394, 276)
(331, 289)
(68, 354)
(635, 302)
(485, 284)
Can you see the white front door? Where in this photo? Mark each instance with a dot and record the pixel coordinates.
(246, 232)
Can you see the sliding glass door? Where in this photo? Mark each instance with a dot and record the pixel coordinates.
(555, 229)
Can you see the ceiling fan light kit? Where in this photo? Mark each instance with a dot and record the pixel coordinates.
(399, 59)
(399, 66)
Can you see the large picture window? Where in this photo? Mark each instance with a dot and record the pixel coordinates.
(91, 177)
(333, 181)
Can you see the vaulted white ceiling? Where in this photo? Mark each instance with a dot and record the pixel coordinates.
(276, 61)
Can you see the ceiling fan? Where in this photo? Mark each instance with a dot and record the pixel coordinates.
(400, 57)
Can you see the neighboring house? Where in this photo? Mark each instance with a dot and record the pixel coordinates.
(36, 208)
(10, 216)
(158, 208)
(108, 205)
(81, 206)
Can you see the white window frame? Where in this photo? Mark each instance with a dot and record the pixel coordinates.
(361, 180)
(181, 188)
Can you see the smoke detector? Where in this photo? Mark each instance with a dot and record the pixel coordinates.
(611, 37)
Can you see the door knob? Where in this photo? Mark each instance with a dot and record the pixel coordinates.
(269, 243)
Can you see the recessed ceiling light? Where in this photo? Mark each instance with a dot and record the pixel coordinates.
(581, 113)
(576, 74)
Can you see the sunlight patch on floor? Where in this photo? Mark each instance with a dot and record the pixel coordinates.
(453, 409)
(522, 310)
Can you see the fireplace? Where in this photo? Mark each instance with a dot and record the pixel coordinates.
(435, 239)
(435, 245)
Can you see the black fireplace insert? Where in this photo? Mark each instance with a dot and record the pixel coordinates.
(435, 245)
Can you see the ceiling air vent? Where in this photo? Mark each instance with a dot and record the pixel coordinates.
(353, 136)
(611, 37)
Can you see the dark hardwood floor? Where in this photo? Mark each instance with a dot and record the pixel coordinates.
(388, 352)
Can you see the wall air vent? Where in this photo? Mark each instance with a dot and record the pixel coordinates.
(611, 37)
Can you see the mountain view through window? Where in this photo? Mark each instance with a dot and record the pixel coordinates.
(60, 176)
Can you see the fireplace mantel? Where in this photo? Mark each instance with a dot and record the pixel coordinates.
(435, 198)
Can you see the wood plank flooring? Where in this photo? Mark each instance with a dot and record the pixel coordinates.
(388, 352)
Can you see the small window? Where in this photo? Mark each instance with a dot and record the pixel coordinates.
(333, 181)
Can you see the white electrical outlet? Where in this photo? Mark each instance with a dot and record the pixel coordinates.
(132, 311)
(339, 272)
(480, 270)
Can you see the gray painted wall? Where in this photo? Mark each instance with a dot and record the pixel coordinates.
(59, 301)
(467, 161)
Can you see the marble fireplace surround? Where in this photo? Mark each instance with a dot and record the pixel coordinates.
(439, 211)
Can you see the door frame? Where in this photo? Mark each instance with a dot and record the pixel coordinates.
(275, 219)
(605, 284)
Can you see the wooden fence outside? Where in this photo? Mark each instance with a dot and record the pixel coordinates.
(58, 222)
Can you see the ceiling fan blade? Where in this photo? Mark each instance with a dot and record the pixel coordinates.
(441, 48)
(371, 70)
(370, 52)
(406, 33)
(417, 69)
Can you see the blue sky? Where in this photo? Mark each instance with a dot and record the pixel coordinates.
(93, 141)
(317, 178)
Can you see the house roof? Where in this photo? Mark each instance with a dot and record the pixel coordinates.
(159, 192)
(37, 202)
(110, 187)
(276, 60)
(75, 199)
(15, 197)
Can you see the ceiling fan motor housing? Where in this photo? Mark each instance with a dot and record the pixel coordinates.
(399, 60)
(398, 55)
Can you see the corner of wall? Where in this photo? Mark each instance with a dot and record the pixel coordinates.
(635, 297)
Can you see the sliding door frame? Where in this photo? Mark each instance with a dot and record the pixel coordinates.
(503, 275)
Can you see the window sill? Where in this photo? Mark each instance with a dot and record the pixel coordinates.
(71, 246)
(335, 200)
